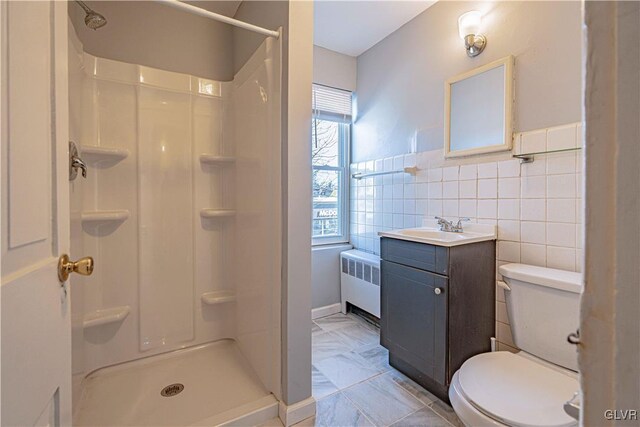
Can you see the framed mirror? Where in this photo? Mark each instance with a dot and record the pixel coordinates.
(478, 110)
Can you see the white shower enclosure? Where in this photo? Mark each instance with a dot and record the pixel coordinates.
(181, 210)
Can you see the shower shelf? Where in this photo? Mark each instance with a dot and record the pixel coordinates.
(97, 217)
(218, 297)
(217, 213)
(105, 316)
(93, 153)
(212, 159)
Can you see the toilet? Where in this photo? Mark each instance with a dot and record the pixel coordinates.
(528, 388)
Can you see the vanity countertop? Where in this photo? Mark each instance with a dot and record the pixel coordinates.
(430, 233)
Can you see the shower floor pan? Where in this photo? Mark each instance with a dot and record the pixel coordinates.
(210, 384)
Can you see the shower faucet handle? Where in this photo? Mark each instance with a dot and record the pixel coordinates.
(75, 162)
(78, 163)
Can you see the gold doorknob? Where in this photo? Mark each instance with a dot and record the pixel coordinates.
(83, 266)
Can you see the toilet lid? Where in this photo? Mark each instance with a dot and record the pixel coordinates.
(517, 390)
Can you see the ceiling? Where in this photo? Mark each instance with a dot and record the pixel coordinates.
(353, 26)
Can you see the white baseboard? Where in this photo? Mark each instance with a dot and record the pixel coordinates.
(325, 311)
(293, 414)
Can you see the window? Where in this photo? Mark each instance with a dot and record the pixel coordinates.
(330, 135)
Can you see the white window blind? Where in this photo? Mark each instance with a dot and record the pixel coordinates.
(331, 103)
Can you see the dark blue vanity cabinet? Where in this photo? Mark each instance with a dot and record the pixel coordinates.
(437, 307)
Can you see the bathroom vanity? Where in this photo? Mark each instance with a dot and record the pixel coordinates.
(437, 301)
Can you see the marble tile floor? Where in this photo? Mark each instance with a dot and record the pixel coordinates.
(354, 385)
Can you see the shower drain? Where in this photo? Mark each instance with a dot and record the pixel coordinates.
(172, 390)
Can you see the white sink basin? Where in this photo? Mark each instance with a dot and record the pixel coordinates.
(472, 233)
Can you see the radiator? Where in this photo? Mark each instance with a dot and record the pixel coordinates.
(360, 281)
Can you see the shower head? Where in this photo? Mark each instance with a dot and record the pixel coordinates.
(92, 19)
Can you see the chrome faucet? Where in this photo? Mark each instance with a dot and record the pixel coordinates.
(448, 226)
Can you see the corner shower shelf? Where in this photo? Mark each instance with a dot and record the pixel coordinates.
(93, 153)
(105, 316)
(217, 213)
(218, 297)
(102, 217)
(212, 159)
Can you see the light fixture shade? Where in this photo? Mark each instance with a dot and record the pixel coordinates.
(469, 23)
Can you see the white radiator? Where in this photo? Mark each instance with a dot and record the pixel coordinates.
(360, 281)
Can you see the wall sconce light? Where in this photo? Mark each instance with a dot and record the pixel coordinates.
(469, 28)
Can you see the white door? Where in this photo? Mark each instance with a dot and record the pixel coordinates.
(35, 313)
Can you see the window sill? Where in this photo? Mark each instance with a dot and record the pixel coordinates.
(330, 243)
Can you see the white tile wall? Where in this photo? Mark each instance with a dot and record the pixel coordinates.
(536, 206)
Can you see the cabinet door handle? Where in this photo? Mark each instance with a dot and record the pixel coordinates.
(437, 291)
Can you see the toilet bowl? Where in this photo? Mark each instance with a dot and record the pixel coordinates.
(528, 388)
(506, 389)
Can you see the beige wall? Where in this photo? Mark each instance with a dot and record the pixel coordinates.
(400, 80)
(334, 69)
(152, 34)
(325, 274)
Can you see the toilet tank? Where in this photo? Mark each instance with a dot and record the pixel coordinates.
(543, 308)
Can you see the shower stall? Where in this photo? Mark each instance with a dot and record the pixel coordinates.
(179, 324)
